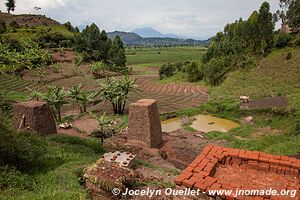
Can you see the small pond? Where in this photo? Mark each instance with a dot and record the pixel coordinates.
(204, 123)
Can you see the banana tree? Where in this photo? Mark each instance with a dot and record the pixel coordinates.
(81, 97)
(55, 97)
(116, 91)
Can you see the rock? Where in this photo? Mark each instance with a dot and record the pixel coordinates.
(248, 120)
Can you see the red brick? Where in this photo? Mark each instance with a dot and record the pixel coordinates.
(204, 173)
(220, 156)
(207, 149)
(188, 169)
(209, 181)
(197, 169)
(200, 186)
(253, 156)
(274, 161)
(216, 186)
(182, 177)
(198, 175)
(264, 159)
(208, 169)
(285, 163)
(189, 182)
(214, 160)
(263, 167)
(284, 158)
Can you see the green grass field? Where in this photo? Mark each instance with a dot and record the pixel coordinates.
(155, 57)
(67, 156)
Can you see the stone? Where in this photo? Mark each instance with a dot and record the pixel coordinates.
(248, 120)
(144, 124)
(34, 116)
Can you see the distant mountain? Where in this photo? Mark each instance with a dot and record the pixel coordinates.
(151, 32)
(133, 39)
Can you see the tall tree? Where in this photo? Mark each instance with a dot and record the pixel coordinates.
(117, 53)
(293, 16)
(266, 26)
(11, 5)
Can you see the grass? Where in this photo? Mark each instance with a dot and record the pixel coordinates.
(62, 182)
(273, 144)
(156, 168)
(274, 76)
(33, 32)
(149, 57)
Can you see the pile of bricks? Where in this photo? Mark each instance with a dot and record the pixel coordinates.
(200, 174)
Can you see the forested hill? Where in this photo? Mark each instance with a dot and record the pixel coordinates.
(133, 39)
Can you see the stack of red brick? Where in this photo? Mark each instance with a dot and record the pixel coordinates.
(200, 173)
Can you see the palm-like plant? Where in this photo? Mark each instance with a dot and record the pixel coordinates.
(116, 91)
(55, 97)
(103, 132)
(81, 97)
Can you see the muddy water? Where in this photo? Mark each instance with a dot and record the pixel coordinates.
(204, 123)
(207, 123)
(171, 125)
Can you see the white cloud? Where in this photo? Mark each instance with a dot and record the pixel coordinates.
(196, 18)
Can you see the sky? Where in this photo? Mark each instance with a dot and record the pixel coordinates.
(198, 19)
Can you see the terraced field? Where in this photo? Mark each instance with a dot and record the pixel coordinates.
(171, 97)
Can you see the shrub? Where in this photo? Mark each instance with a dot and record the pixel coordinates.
(10, 177)
(215, 71)
(295, 41)
(24, 151)
(5, 104)
(14, 25)
(289, 55)
(16, 56)
(166, 70)
(2, 27)
(281, 40)
(195, 72)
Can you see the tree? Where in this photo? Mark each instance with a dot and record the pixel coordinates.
(105, 45)
(11, 5)
(293, 16)
(266, 26)
(116, 91)
(117, 55)
(81, 97)
(55, 97)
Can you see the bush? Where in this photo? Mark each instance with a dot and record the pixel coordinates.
(167, 70)
(2, 27)
(16, 56)
(5, 104)
(295, 41)
(215, 71)
(24, 151)
(10, 177)
(14, 25)
(281, 40)
(289, 55)
(195, 72)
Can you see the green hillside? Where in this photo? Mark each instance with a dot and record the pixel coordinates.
(274, 76)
